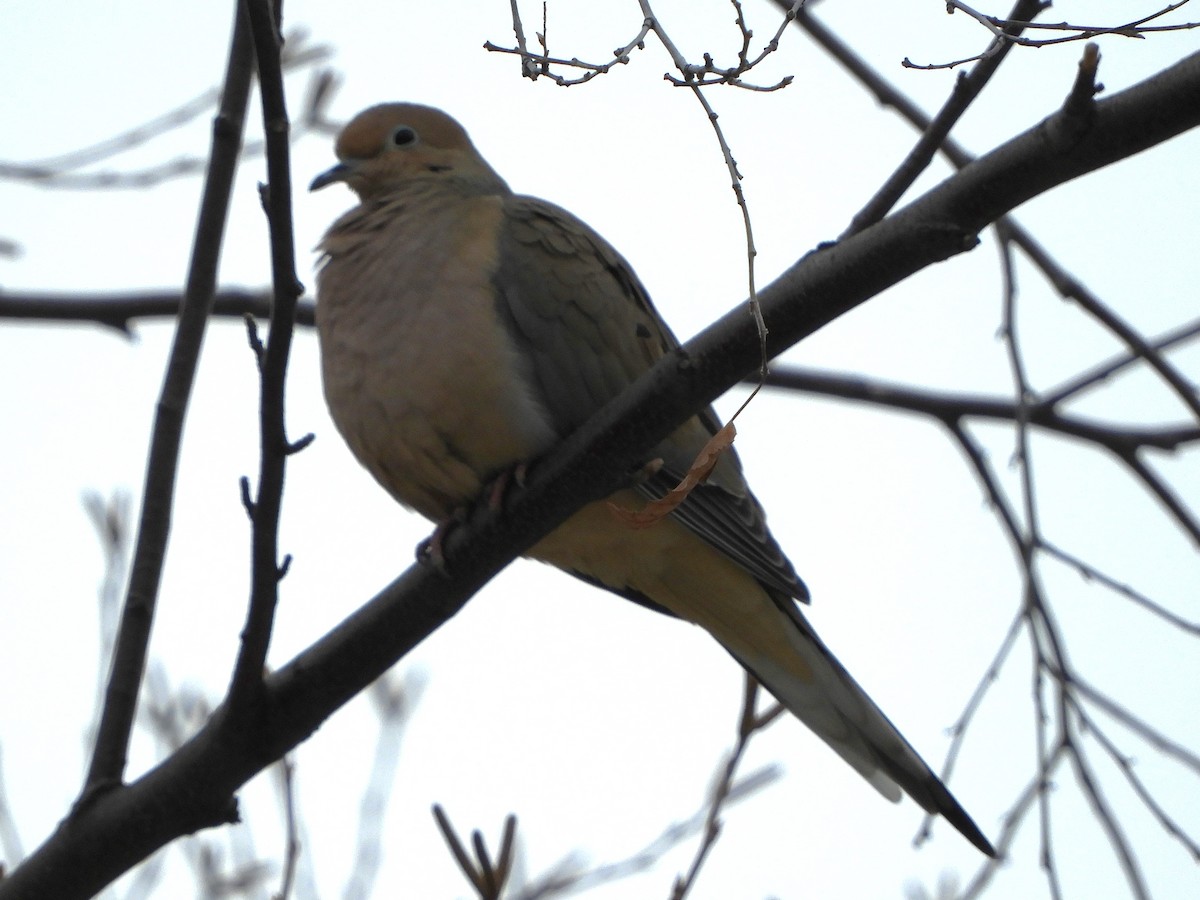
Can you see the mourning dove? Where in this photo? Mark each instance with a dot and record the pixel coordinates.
(465, 330)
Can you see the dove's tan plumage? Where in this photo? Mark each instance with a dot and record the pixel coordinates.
(465, 330)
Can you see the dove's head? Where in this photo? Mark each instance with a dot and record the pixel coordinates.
(391, 146)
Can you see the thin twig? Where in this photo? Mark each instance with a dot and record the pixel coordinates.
(1137, 725)
(285, 770)
(1070, 288)
(966, 89)
(1099, 374)
(1040, 627)
(1013, 819)
(1166, 496)
(1009, 30)
(1109, 822)
(486, 877)
(1091, 573)
(246, 683)
(394, 700)
(570, 874)
(951, 407)
(749, 723)
(60, 172)
(1126, 767)
(735, 176)
(958, 731)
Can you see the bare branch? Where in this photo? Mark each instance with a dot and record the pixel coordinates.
(1009, 30)
(1126, 767)
(958, 731)
(1080, 384)
(1108, 820)
(246, 684)
(534, 65)
(119, 310)
(1070, 288)
(486, 877)
(395, 700)
(750, 721)
(129, 660)
(950, 407)
(966, 89)
(571, 875)
(1137, 725)
(1091, 573)
(61, 172)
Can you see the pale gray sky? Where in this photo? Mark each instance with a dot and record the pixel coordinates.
(596, 722)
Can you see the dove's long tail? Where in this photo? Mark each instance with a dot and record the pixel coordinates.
(670, 567)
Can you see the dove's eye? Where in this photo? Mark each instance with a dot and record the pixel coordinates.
(402, 136)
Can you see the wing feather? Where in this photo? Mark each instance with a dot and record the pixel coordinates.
(587, 331)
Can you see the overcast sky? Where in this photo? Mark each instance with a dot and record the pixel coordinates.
(597, 722)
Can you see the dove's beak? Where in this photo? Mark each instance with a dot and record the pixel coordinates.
(337, 173)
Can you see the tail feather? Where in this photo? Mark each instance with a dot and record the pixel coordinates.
(841, 713)
(669, 568)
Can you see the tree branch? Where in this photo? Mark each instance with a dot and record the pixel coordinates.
(966, 89)
(245, 688)
(129, 659)
(949, 408)
(118, 310)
